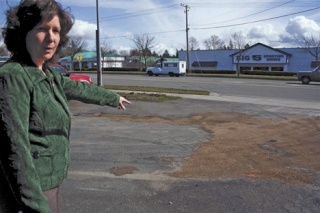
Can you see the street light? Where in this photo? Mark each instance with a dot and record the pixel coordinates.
(99, 71)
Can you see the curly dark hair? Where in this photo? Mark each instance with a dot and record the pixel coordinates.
(25, 16)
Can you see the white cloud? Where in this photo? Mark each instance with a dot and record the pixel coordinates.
(264, 32)
(84, 29)
(300, 25)
(296, 28)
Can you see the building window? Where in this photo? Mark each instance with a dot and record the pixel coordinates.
(76, 65)
(261, 68)
(245, 69)
(204, 64)
(85, 64)
(277, 69)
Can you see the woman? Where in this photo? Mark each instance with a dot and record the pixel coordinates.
(34, 113)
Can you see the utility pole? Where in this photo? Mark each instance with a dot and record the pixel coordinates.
(99, 71)
(187, 34)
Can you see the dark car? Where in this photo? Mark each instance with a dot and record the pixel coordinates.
(76, 77)
(307, 76)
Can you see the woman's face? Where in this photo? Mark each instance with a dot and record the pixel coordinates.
(43, 40)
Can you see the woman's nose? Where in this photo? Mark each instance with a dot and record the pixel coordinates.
(51, 36)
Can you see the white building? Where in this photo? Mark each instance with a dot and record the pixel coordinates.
(256, 57)
(88, 60)
(112, 60)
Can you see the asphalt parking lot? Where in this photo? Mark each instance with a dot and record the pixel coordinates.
(119, 165)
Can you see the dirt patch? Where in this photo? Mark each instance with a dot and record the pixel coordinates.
(119, 171)
(286, 149)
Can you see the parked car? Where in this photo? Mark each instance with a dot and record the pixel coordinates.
(76, 77)
(307, 76)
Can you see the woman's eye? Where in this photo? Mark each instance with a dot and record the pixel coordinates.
(42, 29)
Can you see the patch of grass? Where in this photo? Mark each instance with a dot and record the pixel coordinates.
(134, 96)
(153, 94)
(157, 90)
(267, 77)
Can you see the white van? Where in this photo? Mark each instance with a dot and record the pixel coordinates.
(171, 68)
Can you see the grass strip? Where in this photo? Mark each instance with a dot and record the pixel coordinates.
(157, 90)
(136, 96)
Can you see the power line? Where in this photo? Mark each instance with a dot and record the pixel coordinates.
(233, 4)
(223, 26)
(136, 14)
(251, 14)
(139, 13)
(156, 33)
(251, 22)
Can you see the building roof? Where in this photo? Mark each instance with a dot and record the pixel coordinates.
(113, 55)
(260, 44)
(91, 55)
(87, 55)
(171, 59)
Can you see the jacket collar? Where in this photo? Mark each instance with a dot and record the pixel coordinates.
(34, 74)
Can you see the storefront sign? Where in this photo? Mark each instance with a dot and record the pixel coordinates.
(273, 58)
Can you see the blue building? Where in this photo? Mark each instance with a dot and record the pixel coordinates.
(257, 57)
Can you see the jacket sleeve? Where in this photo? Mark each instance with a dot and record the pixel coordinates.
(87, 93)
(15, 155)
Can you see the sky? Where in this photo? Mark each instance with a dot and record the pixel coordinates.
(276, 23)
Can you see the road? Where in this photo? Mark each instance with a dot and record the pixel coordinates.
(279, 89)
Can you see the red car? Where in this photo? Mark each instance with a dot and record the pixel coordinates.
(76, 77)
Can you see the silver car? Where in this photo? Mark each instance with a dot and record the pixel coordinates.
(307, 76)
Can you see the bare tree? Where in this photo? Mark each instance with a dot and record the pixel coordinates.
(106, 48)
(144, 43)
(75, 45)
(124, 53)
(230, 46)
(238, 40)
(193, 43)
(213, 43)
(3, 49)
(239, 44)
(134, 52)
(166, 54)
(311, 45)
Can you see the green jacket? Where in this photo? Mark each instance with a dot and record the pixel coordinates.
(35, 129)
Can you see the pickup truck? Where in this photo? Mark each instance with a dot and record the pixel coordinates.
(171, 68)
(307, 76)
